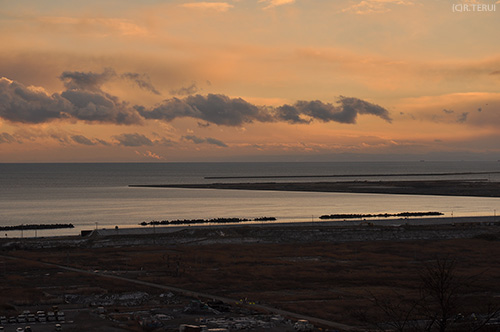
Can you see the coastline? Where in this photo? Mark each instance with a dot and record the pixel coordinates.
(381, 222)
(273, 233)
(479, 188)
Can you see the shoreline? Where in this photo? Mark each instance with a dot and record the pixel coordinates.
(397, 229)
(380, 222)
(421, 187)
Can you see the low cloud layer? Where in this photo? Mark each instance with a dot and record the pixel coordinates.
(216, 109)
(346, 111)
(7, 138)
(133, 140)
(222, 110)
(85, 100)
(80, 139)
(207, 140)
(65, 138)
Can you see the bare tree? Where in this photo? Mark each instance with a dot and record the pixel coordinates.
(438, 306)
(440, 291)
(399, 312)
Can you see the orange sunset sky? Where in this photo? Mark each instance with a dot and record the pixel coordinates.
(243, 80)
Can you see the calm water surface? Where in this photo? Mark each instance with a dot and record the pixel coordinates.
(87, 195)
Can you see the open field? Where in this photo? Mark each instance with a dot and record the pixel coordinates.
(310, 275)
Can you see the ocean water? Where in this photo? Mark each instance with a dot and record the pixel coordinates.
(97, 195)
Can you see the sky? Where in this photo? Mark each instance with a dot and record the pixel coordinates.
(249, 80)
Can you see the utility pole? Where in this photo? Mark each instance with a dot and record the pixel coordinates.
(154, 234)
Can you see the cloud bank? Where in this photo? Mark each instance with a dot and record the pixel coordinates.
(85, 100)
(222, 110)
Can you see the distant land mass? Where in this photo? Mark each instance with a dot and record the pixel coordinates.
(441, 174)
(479, 188)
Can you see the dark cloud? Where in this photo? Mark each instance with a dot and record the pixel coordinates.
(290, 114)
(222, 110)
(346, 111)
(84, 100)
(194, 139)
(208, 140)
(99, 107)
(350, 106)
(217, 109)
(142, 80)
(214, 141)
(451, 116)
(76, 80)
(80, 139)
(60, 137)
(203, 125)
(103, 142)
(8, 138)
(133, 140)
(463, 117)
(326, 112)
(496, 72)
(19, 103)
(185, 91)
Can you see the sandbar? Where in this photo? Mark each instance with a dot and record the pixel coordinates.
(423, 187)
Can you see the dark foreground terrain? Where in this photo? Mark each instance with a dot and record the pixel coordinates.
(336, 275)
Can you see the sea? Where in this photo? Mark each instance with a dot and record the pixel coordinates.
(97, 195)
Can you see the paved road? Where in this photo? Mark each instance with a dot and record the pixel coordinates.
(190, 293)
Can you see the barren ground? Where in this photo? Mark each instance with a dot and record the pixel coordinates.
(332, 280)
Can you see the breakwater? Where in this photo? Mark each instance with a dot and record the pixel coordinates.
(35, 226)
